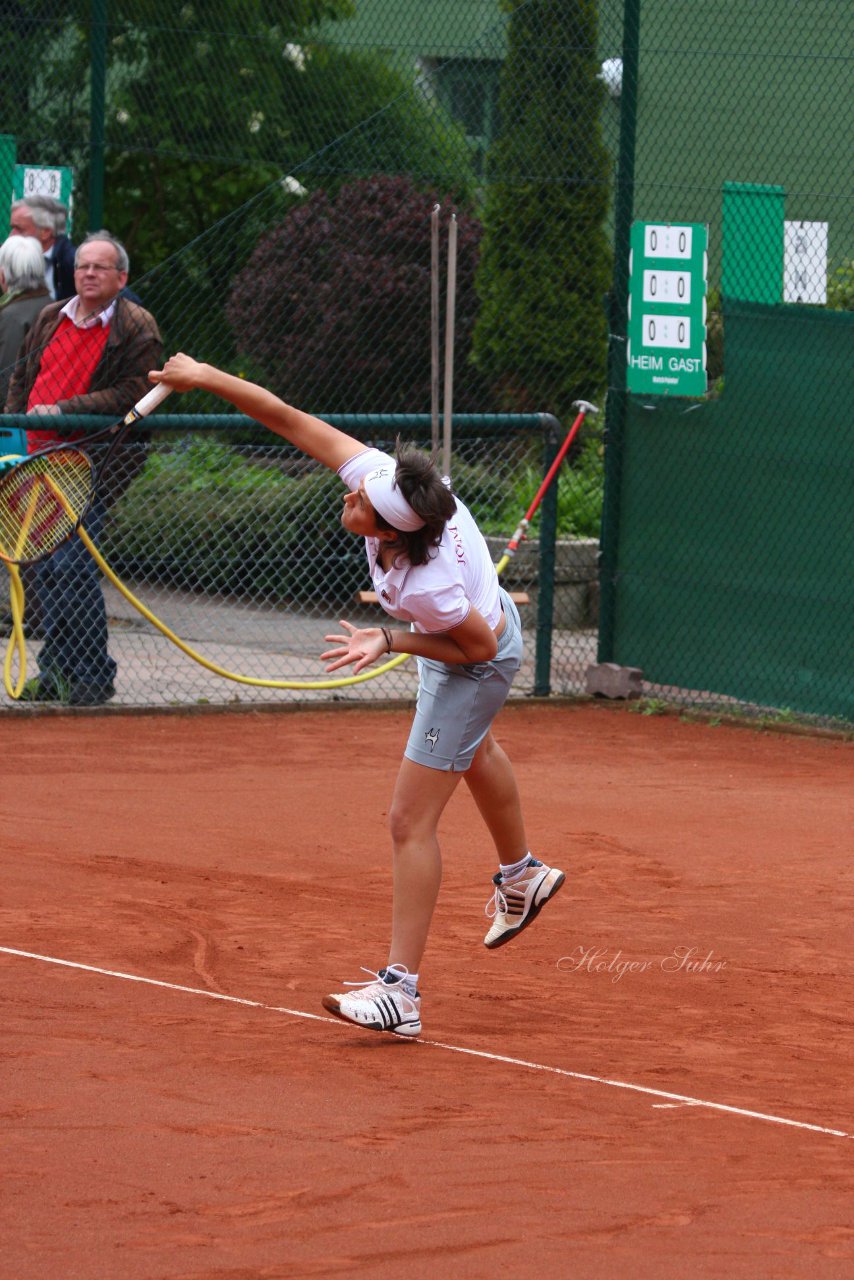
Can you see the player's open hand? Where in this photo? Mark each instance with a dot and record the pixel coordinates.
(358, 648)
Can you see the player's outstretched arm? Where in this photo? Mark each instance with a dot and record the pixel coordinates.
(312, 435)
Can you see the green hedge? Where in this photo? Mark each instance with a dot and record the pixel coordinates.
(205, 515)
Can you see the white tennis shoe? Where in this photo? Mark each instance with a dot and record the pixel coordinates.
(381, 1005)
(515, 904)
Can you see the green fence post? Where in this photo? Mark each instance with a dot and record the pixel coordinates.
(615, 408)
(7, 173)
(98, 64)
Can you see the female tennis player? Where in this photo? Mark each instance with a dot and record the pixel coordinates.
(431, 570)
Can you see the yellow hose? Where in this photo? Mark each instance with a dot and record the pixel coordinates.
(213, 666)
(16, 643)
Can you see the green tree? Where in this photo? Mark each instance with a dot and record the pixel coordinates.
(217, 116)
(198, 147)
(541, 337)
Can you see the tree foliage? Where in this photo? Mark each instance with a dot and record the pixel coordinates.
(541, 336)
(208, 108)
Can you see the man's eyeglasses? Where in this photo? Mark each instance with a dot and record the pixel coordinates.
(100, 267)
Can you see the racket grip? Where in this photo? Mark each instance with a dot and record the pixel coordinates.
(149, 401)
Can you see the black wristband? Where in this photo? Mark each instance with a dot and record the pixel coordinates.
(387, 635)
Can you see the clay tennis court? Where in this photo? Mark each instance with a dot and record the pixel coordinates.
(652, 1081)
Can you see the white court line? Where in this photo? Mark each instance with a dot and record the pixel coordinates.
(679, 1099)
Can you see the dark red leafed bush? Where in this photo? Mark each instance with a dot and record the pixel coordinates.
(334, 303)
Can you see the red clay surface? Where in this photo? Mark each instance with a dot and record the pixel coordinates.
(151, 1132)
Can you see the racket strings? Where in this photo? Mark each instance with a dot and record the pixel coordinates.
(42, 500)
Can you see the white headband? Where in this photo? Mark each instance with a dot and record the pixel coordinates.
(385, 497)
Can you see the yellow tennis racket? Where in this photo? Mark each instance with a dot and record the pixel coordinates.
(33, 520)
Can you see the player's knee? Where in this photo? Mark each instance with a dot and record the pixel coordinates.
(408, 825)
(401, 824)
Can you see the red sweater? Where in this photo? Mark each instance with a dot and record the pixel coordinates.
(68, 362)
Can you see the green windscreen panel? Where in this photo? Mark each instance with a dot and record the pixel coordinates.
(736, 560)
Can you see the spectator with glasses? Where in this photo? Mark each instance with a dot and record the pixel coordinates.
(88, 355)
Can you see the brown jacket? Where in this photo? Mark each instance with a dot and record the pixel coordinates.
(133, 347)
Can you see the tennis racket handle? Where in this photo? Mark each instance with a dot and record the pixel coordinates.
(149, 401)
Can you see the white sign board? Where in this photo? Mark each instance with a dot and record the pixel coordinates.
(805, 262)
(45, 180)
(42, 182)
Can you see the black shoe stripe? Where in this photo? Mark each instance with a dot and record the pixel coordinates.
(387, 1010)
(535, 909)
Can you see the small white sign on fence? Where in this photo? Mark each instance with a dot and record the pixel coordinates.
(805, 262)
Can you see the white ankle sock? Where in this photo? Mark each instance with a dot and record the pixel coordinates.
(408, 981)
(514, 869)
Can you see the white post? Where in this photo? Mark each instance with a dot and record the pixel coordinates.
(434, 329)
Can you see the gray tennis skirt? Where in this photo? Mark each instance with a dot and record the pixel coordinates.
(456, 704)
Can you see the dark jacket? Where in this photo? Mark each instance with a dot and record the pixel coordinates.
(16, 319)
(63, 269)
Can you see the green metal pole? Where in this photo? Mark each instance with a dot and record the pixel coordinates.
(98, 67)
(485, 424)
(615, 409)
(8, 151)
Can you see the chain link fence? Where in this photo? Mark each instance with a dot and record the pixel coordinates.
(226, 563)
(273, 172)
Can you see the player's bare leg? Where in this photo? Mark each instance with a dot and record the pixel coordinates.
(493, 786)
(390, 1000)
(523, 884)
(420, 796)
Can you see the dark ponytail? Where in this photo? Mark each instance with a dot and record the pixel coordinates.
(421, 485)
